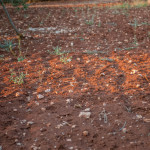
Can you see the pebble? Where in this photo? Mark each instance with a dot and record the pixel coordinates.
(18, 144)
(48, 124)
(68, 140)
(40, 96)
(85, 133)
(139, 117)
(47, 90)
(15, 110)
(43, 109)
(85, 114)
(43, 129)
(69, 101)
(18, 94)
(1, 147)
(30, 123)
(87, 109)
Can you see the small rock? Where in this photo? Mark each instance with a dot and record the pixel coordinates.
(85, 114)
(40, 96)
(85, 133)
(139, 117)
(18, 94)
(78, 106)
(69, 101)
(30, 123)
(73, 126)
(37, 103)
(18, 144)
(68, 140)
(87, 109)
(47, 90)
(43, 129)
(1, 147)
(48, 124)
(43, 109)
(28, 98)
(146, 120)
(15, 110)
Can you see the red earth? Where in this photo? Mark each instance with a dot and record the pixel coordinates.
(79, 80)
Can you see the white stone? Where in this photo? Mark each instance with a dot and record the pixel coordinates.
(139, 117)
(87, 109)
(40, 96)
(47, 90)
(85, 114)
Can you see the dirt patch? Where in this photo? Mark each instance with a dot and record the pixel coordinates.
(84, 88)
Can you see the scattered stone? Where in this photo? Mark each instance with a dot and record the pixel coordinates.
(47, 90)
(33, 147)
(85, 133)
(87, 109)
(43, 129)
(43, 109)
(78, 106)
(68, 140)
(40, 96)
(30, 123)
(1, 147)
(18, 144)
(15, 110)
(48, 124)
(28, 98)
(69, 101)
(18, 94)
(85, 114)
(139, 117)
(146, 120)
(37, 103)
(73, 126)
(70, 148)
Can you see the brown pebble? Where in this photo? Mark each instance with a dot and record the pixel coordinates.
(85, 133)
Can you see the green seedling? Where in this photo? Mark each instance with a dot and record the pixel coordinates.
(56, 51)
(128, 48)
(90, 22)
(94, 52)
(99, 23)
(21, 58)
(65, 59)
(17, 79)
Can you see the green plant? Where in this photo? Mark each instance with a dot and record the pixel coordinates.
(91, 21)
(99, 23)
(57, 50)
(65, 59)
(21, 58)
(17, 79)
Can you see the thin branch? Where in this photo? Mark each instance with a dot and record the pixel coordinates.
(10, 20)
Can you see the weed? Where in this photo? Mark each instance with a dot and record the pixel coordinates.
(90, 22)
(149, 34)
(103, 115)
(17, 79)
(56, 51)
(99, 23)
(65, 59)
(21, 58)
(128, 48)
